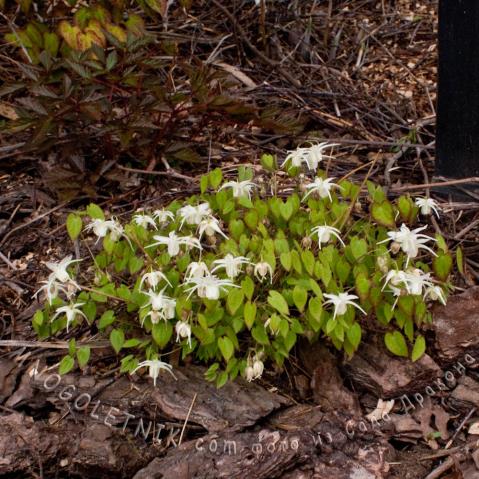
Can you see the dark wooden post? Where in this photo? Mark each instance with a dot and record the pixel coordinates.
(457, 134)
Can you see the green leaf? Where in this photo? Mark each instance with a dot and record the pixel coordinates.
(286, 209)
(234, 300)
(247, 285)
(277, 301)
(74, 226)
(226, 347)
(383, 214)
(117, 338)
(66, 365)
(260, 335)
(442, 266)
(286, 260)
(135, 264)
(268, 162)
(308, 261)
(354, 335)
(38, 317)
(216, 176)
(83, 355)
(251, 219)
(396, 343)
(419, 348)
(290, 340)
(363, 285)
(204, 183)
(221, 379)
(315, 308)
(460, 260)
(249, 314)
(95, 212)
(300, 297)
(107, 318)
(72, 347)
(161, 333)
(359, 247)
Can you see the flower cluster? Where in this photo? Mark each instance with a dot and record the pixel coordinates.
(228, 271)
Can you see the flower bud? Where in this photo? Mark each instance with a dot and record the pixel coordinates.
(395, 247)
(258, 368)
(306, 242)
(249, 373)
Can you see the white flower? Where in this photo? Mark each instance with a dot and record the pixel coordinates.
(155, 366)
(231, 264)
(324, 234)
(341, 302)
(416, 280)
(262, 269)
(70, 311)
(52, 288)
(296, 157)
(102, 227)
(410, 241)
(193, 215)
(427, 206)
(258, 367)
(197, 269)
(394, 278)
(163, 216)
(183, 330)
(160, 302)
(144, 221)
(210, 226)
(59, 270)
(254, 369)
(435, 293)
(240, 188)
(173, 242)
(249, 373)
(314, 155)
(208, 286)
(153, 278)
(322, 187)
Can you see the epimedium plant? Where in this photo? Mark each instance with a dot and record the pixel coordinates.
(235, 275)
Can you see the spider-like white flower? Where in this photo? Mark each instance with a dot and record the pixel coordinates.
(341, 302)
(324, 234)
(210, 226)
(144, 221)
(163, 216)
(153, 279)
(435, 293)
(249, 373)
(71, 311)
(59, 270)
(261, 271)
(173, 242)
(183, 330)
(53, 287)
(410, 241)
(427, 206)
(197, 269)
(101, 228)
(322, 187)
(314, 155)
(194, 215)
(240, 189)
(296, 157)
(154, 367)
(395, 278)
(416, 280)
(163, 304)
(231, 264)
(208, 286)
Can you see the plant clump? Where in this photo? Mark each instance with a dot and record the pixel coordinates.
(235, 275)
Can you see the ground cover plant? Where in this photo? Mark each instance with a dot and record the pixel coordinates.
(235, 275)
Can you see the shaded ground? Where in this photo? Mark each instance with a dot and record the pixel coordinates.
(359, 73)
